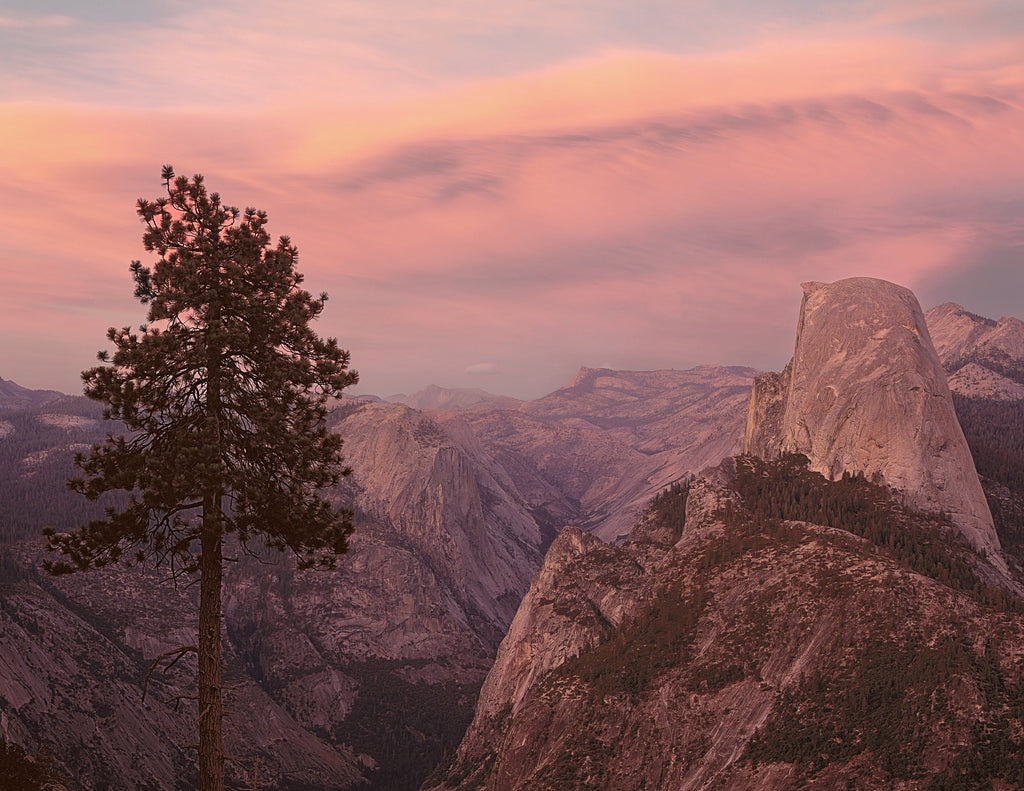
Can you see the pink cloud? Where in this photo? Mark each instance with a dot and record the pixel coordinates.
(611, 209)
(43, 21)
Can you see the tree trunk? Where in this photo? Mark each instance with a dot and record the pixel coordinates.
(211, 706)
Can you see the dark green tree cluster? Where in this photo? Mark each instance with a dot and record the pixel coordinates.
(994, 359)
(995, 434)
(631, 657)
(34, 469)
(894, 702)
(669, 506)
(21, 772)
(785, 489)
(409, 726)
(224, 393)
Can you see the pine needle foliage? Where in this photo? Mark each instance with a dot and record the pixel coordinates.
(224, 393)
(224, 390)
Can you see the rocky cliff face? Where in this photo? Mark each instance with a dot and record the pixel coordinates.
(441, 490)
(750, 652)
(865, 393)
(374, 668)
(382, 658)
(985, 362)
(958, 334)
(775, 625)
(984, 357)
(76, 653)
(593, 454)
(386, 655)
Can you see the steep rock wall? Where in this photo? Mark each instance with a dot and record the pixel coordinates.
(865, 392)
(668, 665)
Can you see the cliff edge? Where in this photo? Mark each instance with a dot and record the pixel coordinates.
(865, 392)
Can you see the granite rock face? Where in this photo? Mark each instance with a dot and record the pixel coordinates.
(592, 454)
(438, 489)
(865, 393)
(75, 656)
(737, 656)
(983, 357)
(958, 333)
(596, 584)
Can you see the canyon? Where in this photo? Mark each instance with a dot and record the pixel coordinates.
(369, 676)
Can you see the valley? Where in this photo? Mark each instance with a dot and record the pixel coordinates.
(675, 632)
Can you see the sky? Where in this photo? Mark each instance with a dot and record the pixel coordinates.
(496, 194)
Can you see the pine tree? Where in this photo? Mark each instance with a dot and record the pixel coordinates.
(224, 393)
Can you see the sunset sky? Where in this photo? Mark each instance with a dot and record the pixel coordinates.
(495, 194)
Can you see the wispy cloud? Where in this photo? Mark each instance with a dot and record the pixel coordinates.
(610, 205)
(45, 21)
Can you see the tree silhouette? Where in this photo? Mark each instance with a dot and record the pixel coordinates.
(224, 393)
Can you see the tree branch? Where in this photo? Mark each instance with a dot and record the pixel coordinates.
(177, 653)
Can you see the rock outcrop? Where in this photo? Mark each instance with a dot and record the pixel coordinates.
(593, 453)
(865, 393)
(384, 657)
(598, 584)
(958, 334)
(747, 653)
(983, 357)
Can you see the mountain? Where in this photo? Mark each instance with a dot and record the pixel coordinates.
(724, 649)
(865, 393)
(381, 659)
(964, 338)
(14, 396)
(37, 444)
(985, 363)
(769, 626)
(366, 677)
(76, 656)
(984, 357)
(453, 399)
(372, 671)
(594, 453)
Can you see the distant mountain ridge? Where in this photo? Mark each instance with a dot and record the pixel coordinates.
(14, 396)
(596, 451)
(454, 398)
(958, 334)
(984, 357)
